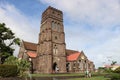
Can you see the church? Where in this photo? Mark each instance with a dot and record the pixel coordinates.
(50, 54)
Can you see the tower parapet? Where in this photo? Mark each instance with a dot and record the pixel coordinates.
(51, 12)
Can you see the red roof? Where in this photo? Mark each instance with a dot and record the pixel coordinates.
(107, 66)
(32, 54)
(73, 56)
(30, 46)
(69, 52)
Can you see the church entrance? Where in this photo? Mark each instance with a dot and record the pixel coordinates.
(67, 67)
(54, 67)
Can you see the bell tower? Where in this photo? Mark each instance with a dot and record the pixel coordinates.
(51, 45)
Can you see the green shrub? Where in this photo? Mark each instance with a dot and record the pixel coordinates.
(8, 70)
(115, 76)
(22, 65)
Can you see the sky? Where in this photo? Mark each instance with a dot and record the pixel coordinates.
(90, 25)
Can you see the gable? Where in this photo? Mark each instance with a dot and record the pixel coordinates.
(83, 56)
(76, 55)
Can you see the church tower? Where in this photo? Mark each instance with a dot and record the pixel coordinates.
(51, 46)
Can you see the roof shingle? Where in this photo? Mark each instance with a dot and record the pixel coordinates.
(30, 46)
(32, 54)
(73, 57)
(69, 52)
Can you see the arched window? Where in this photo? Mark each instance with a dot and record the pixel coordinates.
(67, 67)
(53, 25)
(59, 29)
(56, 37)
(56, 27)
(85, 64)
(55, 49)
(54, 66)
(79, 63)
(53, 12)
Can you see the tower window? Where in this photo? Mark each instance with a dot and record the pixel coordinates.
(59, 27)
(79, 60)
(55, 37)
(43, 31)
(53, 25)
(53, 12)
(55, 51)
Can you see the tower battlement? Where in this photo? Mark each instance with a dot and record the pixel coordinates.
(51, 12)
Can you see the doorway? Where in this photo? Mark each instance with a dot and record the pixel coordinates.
(67, 67)
(54, 66)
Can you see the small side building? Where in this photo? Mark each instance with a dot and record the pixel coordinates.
(78, 62)
(28, 52)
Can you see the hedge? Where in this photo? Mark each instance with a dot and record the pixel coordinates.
(8, 70)
(115, 76)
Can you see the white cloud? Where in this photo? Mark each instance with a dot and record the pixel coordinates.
(18, 23)
(92, 26)
(96, 12)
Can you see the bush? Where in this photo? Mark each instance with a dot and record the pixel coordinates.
(8, 70)
(22, 65)
(115, 76)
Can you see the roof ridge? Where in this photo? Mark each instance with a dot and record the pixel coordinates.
(30, 42)
(74, 53)
(30, 46)
(73, 56)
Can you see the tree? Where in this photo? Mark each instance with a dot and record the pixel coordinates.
(113, 62)
(23, 65)
(7, 40)
(11, 60)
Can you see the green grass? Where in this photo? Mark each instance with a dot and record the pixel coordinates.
(92, 78)
(67, 74)
(95, 76)
(50, 75)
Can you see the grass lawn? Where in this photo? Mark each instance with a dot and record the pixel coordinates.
(92, 78)
(74, 76)
(65, 74)
(50, 75)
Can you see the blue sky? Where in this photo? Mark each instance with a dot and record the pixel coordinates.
(90, 25)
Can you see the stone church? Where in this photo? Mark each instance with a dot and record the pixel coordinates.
(50, 55)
